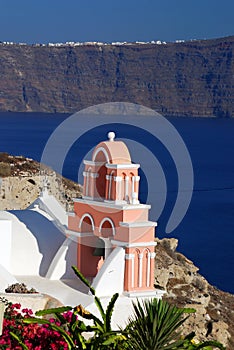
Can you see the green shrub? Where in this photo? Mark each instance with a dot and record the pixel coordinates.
(155, 325)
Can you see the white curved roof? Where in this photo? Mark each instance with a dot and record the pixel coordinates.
(36, 236)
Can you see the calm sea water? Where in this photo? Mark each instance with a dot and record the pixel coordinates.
(206, 234)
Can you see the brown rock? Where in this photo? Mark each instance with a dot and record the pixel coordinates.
(214, 317)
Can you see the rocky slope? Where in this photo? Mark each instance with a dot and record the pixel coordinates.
(193, 78)
(22, 179)
(214, 317)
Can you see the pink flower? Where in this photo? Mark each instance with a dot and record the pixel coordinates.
(16, 306)
(27, 312)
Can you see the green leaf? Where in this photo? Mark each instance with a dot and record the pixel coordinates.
(109, 311)
(80, 325)
(81, 342)
(64, 334)
(211, 343)
(188, 310)
(155, 325)
(112, 339)
(59, 310)
(83, 279)
(36, 320)
(19, 340)
(61, 318)
(99, 306)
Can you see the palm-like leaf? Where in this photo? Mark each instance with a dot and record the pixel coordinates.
(154, 325)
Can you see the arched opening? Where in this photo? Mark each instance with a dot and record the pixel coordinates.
(100, 157)
(125, 187)
(110, 188)
(107, 231)
(107, 228)
(86, 223)
(101, 182)
(141, 269)
(146, 268)
(137, 269)
(87, 242)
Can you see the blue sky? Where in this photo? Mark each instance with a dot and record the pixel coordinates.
(110, 20)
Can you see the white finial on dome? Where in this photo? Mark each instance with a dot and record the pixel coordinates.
(111, 136)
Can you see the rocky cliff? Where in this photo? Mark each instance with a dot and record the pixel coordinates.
(191, 79)
(214, 317)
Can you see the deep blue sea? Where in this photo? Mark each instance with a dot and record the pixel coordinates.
(206, 234)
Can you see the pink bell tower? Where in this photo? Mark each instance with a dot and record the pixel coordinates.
(109, 216)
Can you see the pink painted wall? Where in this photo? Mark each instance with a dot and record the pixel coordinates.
(139, 263)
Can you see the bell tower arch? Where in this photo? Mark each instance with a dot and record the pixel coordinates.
(110, 216)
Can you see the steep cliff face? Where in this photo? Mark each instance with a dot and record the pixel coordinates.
(192, 78)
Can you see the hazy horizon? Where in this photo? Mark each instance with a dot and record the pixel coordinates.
(105, 21)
